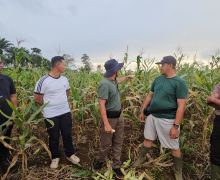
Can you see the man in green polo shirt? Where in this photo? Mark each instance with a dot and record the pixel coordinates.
(112, 122)
(165, 105)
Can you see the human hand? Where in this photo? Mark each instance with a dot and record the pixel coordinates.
(142, 117)
(174, 133)
(108, 128)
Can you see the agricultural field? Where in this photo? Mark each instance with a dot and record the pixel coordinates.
(30, 155)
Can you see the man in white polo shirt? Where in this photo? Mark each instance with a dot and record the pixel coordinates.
(54, 89)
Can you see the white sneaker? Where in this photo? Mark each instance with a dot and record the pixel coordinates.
(73, 159)
(54, 163)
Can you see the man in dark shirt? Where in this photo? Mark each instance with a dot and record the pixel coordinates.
(7, 92)
(166, 102)
(214, 101)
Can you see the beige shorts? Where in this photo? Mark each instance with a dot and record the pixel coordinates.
(160, 128)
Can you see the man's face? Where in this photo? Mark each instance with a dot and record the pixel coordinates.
(1, 65)
(164, 68)
(61, 66)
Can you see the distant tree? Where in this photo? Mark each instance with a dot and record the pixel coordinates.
(16, 56)
(23, 56)
(86, 62)
(19, 55)
(36, 59)
(4, 45)
(10, 55)
(70, 61)
(36, 51)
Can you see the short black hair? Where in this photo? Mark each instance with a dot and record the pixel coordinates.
(55, 60)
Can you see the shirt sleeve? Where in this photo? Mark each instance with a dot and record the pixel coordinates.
(12, 87)
(40, 87)
(181, 90)
(67, 84)
(152, 86)
(103, 91)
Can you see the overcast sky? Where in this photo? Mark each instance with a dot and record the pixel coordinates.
(104, 28)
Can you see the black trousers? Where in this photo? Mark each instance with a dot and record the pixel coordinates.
(215, 142)
(63, 125)
(4, 152)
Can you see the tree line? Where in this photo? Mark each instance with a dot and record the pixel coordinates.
(14, 56)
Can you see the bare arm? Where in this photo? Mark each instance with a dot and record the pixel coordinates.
(147, 101)
(38, 98)
(13, 99)
(217, 107)
(214, 100)
(104, 118)
(145, 104)
(122, 79)
(68, 93)
(180, 110)
(174, 132)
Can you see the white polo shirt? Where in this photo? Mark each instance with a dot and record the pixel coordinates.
(54, 93)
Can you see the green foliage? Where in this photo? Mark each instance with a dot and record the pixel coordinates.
(196, 126)
(20, 56)
(86, 62)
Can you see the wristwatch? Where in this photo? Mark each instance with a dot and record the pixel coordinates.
(176, 126)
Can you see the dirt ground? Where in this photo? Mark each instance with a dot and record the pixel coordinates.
(86, 140)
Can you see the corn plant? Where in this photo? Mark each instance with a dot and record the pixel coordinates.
(196, 126)
(23, 119)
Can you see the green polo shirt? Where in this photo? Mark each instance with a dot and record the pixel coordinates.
(166, 92)
(108, 90)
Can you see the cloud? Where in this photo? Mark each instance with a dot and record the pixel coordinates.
(209, 53)
(103, 28)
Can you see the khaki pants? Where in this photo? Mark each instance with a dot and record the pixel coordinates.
(115, 140)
